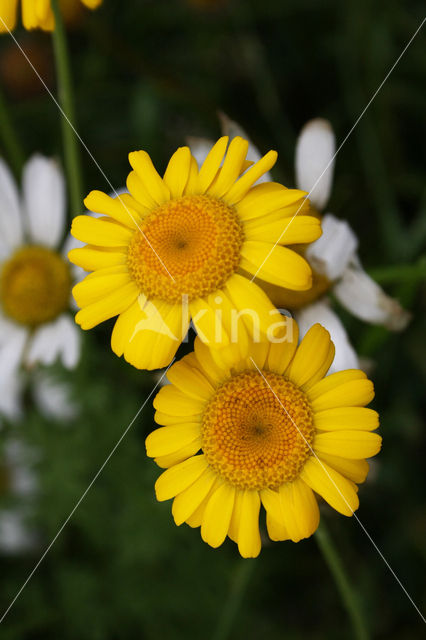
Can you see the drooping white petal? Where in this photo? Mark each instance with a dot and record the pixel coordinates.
(363, 297)
(44, 199)
(53, 398)
(333, 251)
(345, 356)
(232, 129)
(315, 161)
(57, 339)
(11, 223)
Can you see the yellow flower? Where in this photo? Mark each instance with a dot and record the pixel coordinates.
(36, 14)
(174, 248)
(268, 428)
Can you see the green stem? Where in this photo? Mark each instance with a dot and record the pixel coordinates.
(347, 594)
(9, 139)
(66, 99)
(236, 594)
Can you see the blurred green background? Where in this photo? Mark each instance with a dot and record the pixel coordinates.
(148, 74)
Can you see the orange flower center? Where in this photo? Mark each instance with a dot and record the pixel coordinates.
(189, 247)
(254, 437)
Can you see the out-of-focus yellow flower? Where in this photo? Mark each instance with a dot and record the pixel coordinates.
(36, 14)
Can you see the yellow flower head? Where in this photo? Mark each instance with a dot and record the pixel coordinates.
(36, 14)
(264, 428)
(184, 246)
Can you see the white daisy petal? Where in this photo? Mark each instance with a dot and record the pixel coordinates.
(233, 129)
(363, 297)
(11, 227)
(315, 161)
(57, 339)
(53, 397)
(44, 198)
(345, 357)
(333, 251)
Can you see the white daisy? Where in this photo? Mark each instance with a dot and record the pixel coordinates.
(333, 257)
(35, 277)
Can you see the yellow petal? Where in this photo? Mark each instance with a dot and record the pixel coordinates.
(231, 167)
(258, 312)
(139, 192)
(150, 335)
(300, 510)
(172, 459)
(274, 515)
(249, 543)
(91, 258)
(166, 419)
(173, 401)
(277, 265)
(281, 353)
(192, 183)
(179, 477)
(90, 290)
(108, 307)
(348, 444)
(207, 323)
(331, 485)
(196, 518)
(167, 440)
(358, 418)
(212, 369)
(355, 470)
(234, 525)
(297, 230)
(242, 186)
(177, 172)
(187, 502)
(356, 393)
(310, 356)
(265, 198)
(217, 515)
(190, 381)
(151, 180)
(334, 380)
(100, 232)
(8, 14)
(115, 208)
(211, 164)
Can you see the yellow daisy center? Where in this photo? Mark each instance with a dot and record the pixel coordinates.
(35, 285)
(250, 439)
(189, 246)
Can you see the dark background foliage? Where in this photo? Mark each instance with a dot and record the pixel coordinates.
(148, 74)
